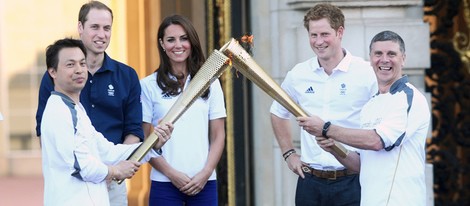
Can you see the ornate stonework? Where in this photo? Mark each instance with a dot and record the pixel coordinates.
(448, 80)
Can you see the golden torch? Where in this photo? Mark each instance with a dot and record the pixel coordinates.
(251, 70)
(212, 68)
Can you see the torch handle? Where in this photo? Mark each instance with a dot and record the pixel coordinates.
(338, 147)
(299, 112)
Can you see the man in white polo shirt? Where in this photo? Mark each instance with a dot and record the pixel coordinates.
(393, 136)
(334, 85)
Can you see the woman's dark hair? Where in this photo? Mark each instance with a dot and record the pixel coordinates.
(193, 63)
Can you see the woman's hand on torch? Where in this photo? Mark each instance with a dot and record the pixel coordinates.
(163, 131)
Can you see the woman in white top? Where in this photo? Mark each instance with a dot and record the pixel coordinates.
(185, 173)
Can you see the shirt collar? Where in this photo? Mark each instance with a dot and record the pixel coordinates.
(343, 64)
(188, 79)
(64, 97)
(399, 84)
(107, 64)
(174, 78)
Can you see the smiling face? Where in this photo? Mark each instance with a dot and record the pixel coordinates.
(176, 44)
(71, 72)
(387, 61)
(324, 40)
(95, 32)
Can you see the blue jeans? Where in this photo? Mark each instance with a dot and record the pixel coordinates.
(165, 193)
(313, 191)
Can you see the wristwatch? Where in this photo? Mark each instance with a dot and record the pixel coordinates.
(326, 127)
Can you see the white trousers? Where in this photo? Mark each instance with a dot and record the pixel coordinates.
(117, 194)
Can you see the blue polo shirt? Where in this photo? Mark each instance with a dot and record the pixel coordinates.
(111, 98)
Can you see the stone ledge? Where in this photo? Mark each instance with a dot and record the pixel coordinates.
(303, 4)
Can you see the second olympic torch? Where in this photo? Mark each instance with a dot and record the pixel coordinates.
(212, 68)
(251, 70)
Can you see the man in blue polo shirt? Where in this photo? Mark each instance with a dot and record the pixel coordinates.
(111, 96)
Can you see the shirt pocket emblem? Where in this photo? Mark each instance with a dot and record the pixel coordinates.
(111, 90)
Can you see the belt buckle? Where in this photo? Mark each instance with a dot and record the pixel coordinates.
(306, 169)
(333, 178)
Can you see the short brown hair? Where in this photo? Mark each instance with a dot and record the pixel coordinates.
(85, 9)
(320, 11)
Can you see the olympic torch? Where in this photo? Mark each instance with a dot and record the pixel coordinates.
(251, 70)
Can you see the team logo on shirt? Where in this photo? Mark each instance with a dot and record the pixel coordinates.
(310, 90)
(342, 90)
(111, 90)
(166, 96)
(372, 123)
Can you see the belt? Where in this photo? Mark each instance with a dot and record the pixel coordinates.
(327, 174)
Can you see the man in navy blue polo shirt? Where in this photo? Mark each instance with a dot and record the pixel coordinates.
(111, 96)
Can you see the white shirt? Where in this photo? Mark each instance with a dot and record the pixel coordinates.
(75, 156)
(338, 98)
(188, 148)
(407, 131)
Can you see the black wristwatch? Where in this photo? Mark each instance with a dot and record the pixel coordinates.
(326, 127)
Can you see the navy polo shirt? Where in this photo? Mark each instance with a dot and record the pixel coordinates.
(111, 98)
